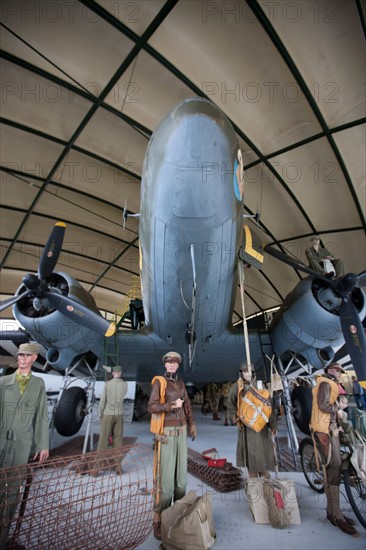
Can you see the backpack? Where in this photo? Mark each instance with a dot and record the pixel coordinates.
(254, 409)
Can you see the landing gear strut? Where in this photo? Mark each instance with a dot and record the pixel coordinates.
(74, 403)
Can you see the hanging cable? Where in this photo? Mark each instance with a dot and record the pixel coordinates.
(245, 327)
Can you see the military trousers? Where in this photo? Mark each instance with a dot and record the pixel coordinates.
(110, 424)
(173, 466)
(334, 468)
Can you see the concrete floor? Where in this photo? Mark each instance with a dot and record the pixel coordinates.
(235, 527)
(234, 524)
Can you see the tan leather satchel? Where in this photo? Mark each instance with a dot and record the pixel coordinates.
(188, 524)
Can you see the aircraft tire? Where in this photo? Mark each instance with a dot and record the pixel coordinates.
(302, 401)
(70, 411)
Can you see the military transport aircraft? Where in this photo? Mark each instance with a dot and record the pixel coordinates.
(192, 243)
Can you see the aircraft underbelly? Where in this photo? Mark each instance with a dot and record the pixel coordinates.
(189, 230)
(208, 253)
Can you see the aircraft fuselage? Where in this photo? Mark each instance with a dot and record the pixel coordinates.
(190, 225)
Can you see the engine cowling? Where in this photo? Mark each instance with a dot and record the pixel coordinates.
(308, 321)
(62, 337)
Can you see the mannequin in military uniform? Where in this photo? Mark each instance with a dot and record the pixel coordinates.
(325, 426)
(23, 421)
(176, 407)
(316, 256)
(111, 414)
(254, 450)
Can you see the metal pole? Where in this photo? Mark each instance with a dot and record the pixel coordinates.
(288, 412)
(89, 408)
(157, 488)
(245, 327)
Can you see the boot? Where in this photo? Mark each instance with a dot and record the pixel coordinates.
(118, 469)
(226, 423)
(334, 514)
(330, 515)
(216, 416)
(348, 520)
(343, 525)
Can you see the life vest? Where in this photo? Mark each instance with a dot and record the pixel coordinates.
(320, 420)
(157, 419)
(254, 409)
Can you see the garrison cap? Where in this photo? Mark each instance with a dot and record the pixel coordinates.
(31, 348)
(172, 355)
(117, 368)
(314, 238)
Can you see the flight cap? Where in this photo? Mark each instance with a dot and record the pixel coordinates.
(172, 355)
(31, 348)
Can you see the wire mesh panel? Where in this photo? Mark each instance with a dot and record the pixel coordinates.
(101, 500)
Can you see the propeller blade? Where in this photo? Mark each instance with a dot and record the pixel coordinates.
(51, 251)
(11, 301)
(293, 263)
(354, 336)
(362, 279)
(79, 313)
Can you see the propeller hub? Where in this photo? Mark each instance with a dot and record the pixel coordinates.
(31, 281)
(349, 282)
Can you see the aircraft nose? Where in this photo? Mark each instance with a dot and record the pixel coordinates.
(190, 164)
(196, 134)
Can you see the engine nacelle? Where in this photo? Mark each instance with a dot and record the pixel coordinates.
(63, 338)
(308, 322)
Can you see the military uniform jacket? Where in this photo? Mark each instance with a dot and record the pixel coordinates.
(173, 417)
(112, 398)
(315, 258)
(23, 420)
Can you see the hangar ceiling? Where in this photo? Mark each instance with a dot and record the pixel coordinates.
(85, 83)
